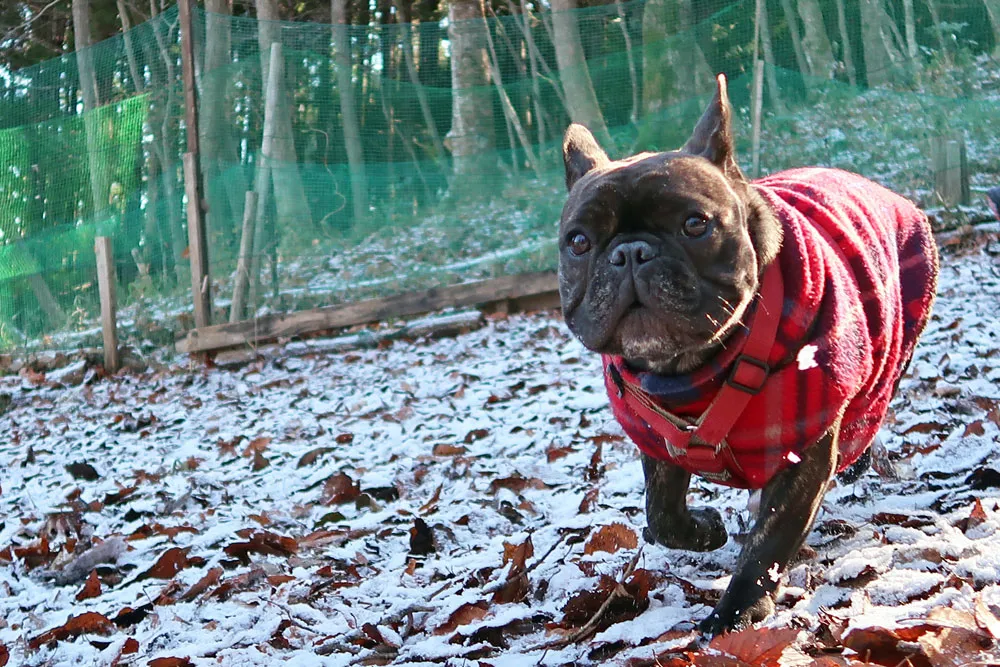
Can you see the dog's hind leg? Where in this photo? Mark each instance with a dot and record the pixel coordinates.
(669, 521)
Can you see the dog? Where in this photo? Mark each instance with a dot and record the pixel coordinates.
(751, 332)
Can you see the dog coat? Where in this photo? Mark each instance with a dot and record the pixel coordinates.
(858, 273)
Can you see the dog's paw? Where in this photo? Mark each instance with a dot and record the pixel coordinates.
(704, 531)
(728, 618)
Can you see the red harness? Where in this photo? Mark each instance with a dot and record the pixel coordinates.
(702, 442)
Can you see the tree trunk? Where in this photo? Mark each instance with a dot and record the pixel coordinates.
(768, 48)
(993, 11)
(815, 44)
(847, 52)
(579, 89)
(471, 133)
(793, 31)
(910, 28)
(91, 101)
(349, 115)
(674, 67)
(218, 150)
(879, 54)
(411, 69)
(290, 200)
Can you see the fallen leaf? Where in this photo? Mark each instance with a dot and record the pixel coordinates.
(259, 461)
(310, 457)
(884, 647)
(4, 655)
(611, 538)
(431, 504)
(554, 453)
(262, 542)
(91, 589)
(169, 564)
(339, 489)
(974, 428)
(517, 483)
(589, 501)
(89, 623)
(467, 613)
(444, 449)
(476, 434)
(516, 585)
(976, 517)
(344, 438)
(752, 647)
(986, 618)
(170, 662)
(210, 579)
(83, 470)
(256, 446)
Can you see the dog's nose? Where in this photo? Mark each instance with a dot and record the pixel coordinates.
(639, 252)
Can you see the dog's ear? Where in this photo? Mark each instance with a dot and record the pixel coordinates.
(580, 153)
(712, 138)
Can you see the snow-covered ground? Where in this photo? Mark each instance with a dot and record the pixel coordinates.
(448, 501)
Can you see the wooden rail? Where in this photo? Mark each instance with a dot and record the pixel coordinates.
(537, 289)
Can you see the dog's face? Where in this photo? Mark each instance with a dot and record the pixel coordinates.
(661, 253)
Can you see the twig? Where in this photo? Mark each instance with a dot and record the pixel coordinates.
(342, 643)
(590, 626)
(500, 584)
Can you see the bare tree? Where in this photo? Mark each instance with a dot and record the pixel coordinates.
(793, 30)
(815, 44)
(847, 53)
(91, 100)
(674, 66)
(471, 133)
(572, 61)
(403, 10)
(289, 194)
(993, 11)
(348, 112)
(876, 35)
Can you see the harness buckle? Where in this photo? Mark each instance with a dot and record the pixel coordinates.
(752, 381)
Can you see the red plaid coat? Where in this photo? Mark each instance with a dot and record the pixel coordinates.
(859, 266)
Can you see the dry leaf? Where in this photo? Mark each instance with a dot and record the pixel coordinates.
(91, 589)
(752, 647)
(169, 564)
(262, 542)
(256, 446)
(83, 470)
(339, 489)
(517, 483)
(611, 538)
(467, 613)
(310, 457)
(90, 623)
(4, 655)
(170, 662)
(421, 538)
(210, 579)
(444, 449)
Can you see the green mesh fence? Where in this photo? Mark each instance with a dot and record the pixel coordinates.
(862, 86)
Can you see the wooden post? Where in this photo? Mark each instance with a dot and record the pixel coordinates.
(245, 259)
(197, 242)
(756, 110)
(109, 307)
(951, 170)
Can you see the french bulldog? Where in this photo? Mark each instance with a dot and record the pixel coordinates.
(751, 332)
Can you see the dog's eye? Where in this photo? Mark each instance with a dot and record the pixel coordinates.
(579, 244)
(695, 226)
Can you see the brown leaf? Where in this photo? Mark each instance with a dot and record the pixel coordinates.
(987, 619)
(310, 457)
(976, 517)
(516, 586)
(130, 646)
(974, 428)
(83, 470)
(256, 446)
(344, 438)
(444, 449)
(589, 501)
(758, 647)
(4, 655)
(517, 483)
(170, 662)
(339, 489)
(120, 495)
(611, 538)
(91, 589)
(595, 470)
(476, 434)
(262, 542)
(884, 647)
(259, 462)
(169, 564)
(631, 599)
(421, 538)
(210, 579)
(431, 504)
(554, 453)
(89, 622)
(467, 613)
(926, 427)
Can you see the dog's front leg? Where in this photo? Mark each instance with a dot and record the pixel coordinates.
(668, 520)
(788, 507)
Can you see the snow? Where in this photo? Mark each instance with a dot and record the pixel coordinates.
(517, 398)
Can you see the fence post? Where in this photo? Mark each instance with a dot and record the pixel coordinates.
(109, 307)
(951, 170)
(197, 242)
(245, 259)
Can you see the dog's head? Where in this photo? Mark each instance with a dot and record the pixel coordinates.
(661, 253)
